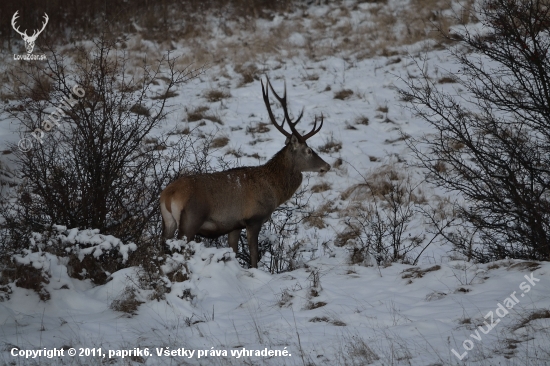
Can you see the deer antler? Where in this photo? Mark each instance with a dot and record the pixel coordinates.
(265, 93)
(292, 125)
(13, 19)
(43, 26)
(24, 34)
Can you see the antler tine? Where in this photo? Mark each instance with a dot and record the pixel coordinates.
(46, 18)
(265, 92)
(13, 19)
(313, 130)
(36, 32)
(282, 100)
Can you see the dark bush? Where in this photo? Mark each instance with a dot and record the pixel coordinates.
(495, 144)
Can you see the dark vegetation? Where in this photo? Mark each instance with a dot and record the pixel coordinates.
(494, 148)
(162, 20)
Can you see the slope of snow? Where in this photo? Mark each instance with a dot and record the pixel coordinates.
(327, 312)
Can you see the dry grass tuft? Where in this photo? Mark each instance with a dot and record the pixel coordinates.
(343, 94)
(325, 319)
(285, 299)
(140, 110)
(346, 236)
(219, 142)
(316, 218)
(359, 352)
(249, 73)
(530, 266)
(416, 272)
(315, 305)
(127, 302)
(447, 80)
(532, 316)
(197, 113)
(440, 166)
(213, 118)
(167, 94)
(331, 146)
(261, 127)
(216, 95)
(321, 187)
(311, 77)
(362, 120)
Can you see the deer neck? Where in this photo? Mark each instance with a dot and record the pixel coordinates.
(283, 174)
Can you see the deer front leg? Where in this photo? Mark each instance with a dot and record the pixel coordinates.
(233, 239)
(252, 232)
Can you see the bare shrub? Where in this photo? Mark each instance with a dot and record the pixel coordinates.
(29, 277)
(501, 169)
(279, 248)
(100, 169)
(377, 224)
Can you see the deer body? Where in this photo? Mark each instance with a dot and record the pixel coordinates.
(226, 202)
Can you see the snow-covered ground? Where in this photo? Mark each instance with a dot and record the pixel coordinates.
(328, 311)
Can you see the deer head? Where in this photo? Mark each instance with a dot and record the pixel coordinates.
(29, 40)
(304, 157)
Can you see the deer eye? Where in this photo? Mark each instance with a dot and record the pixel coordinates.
(308, 151)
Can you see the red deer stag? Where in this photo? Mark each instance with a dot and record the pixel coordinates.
(214, 204)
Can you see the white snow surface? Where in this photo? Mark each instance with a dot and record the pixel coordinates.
(223, 307)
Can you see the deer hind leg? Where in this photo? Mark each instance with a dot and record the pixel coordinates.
(169, 223)
(191, 221)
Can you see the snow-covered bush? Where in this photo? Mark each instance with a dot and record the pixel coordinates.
(87, 254)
